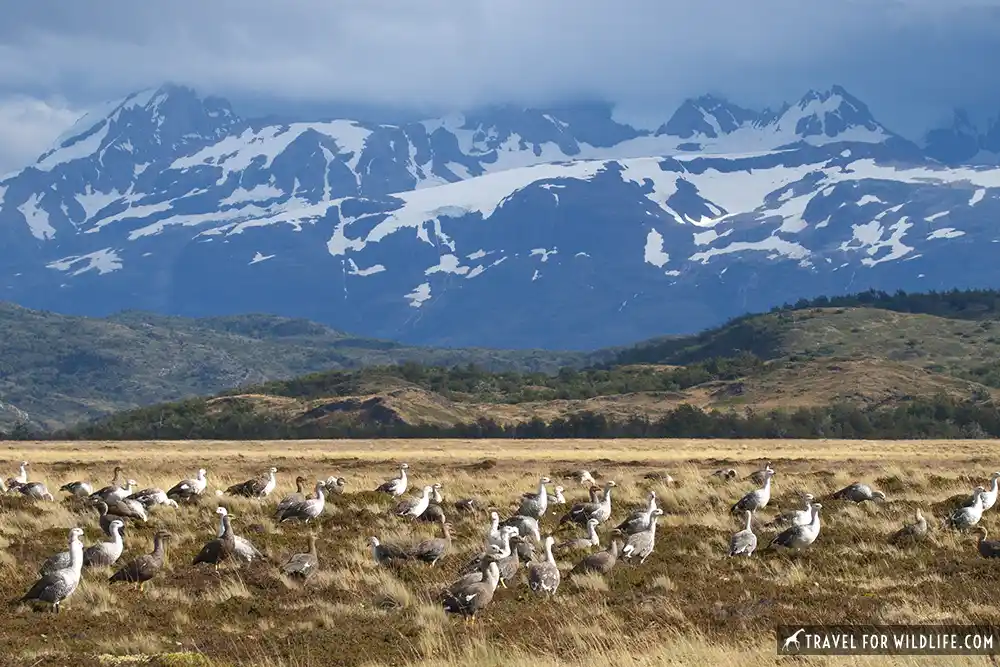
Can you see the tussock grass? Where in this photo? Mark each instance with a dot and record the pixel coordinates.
(687, 605)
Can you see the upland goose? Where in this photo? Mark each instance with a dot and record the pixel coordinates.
(989, 494)
(987, 548)
(640, 545)
(743, 542)
(385, 554)
(302, 566)
(544, 577)
(58, 585)
(397, 485)
(557, 498)
(601, 562)
(292, 498)
(795, 517)
(966, 517)
(308, 509)
(433, 514)
(104, 554)
(140, 570)
(527, 526)
(104, 519)
(503, 549)
(35, 491)
(759, 476)
(582, 543)
(258, 487)
(594, 493)
(466, 505)
(245, 551)
(436, 496)
(725, 474)
(584, 477)
(151, 497)
(493, 533)
(581, 513)
(799, 537)
(117, 488)
(534, 504)
(434, 549)
(15, 482)
(77, 489)
(189, 489)
(414, 507)
(858, 493)
(219, 549)
(471, 599)
(335, 485)
(638, 520)
(129, 508)
(493, 552)
(911, 532)
(757, 499)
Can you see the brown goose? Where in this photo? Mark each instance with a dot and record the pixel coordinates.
(472, 598)
(911, 532)
(219, 549)
(258, 487)
(580, 513)
(493, 552)
(386, 554)
(582, 543)
(601, 563)
(104, 518)
(144, 568)
(292, 498)
(987, 548)
(302, 566)
(114, 490)
(432, 550)
(129, 508)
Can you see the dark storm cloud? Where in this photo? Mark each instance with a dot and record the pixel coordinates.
(910, 59)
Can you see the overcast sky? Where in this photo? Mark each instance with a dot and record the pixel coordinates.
(910, 60)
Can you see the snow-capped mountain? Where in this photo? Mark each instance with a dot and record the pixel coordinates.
(963, 142)
(505, 226)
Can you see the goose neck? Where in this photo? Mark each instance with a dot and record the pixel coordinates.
(749, 520)
(548, 552)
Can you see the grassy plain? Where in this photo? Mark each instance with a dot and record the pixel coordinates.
(687, 605)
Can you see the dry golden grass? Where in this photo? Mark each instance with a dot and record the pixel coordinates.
(688, 605)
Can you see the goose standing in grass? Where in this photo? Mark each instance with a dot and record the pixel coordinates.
(911, 532)
(140, 570)
(492, 553)
(967, 517)
(258, 487)
(987, 548)
(308, 509)
(858, 493)
(77, 489)
(387, 553)
(544, 577)
(799, 537)
(414, 507)
(59, 584)
(600, 563)
(989, 495)
(503, 550)
(151, 497)
(581, 513)
(103, 518)
(114, 490)
(582, 543)
(335, 486)
(292, 498)
(472, 598)
(796, 517)
(638, 520)
(534, 504)
(244, 549)
(493, 533)
(189, 489)
(301, 566)
(434, 549)
(104, 554)
(757, 499)
(396, 486)
(641, 544)
(759, 476)
(219, 549)
(527, 526)
(744, 542)
(20, 478)
(128, 507)
(466, 505)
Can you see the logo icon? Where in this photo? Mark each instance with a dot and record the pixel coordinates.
(792, 640)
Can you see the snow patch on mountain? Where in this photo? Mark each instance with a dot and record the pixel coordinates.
(653, 252)
(103, 261)
(37, 219)
(419, 295)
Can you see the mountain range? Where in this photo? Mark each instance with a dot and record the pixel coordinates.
(505, 227)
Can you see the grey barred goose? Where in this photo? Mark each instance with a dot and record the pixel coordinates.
(795, 517)
(466, 505)
(757, 499)
(641, 544)
(303, 565)
(57, 585)
(77, 489)
(743, 542)
(151, 497)
(219, 549)
(759, 476)
(433, 514)
(911, 532)
(987, 548)
(527, 526)
(966, 517)
(189, 489)
(580, 513)
(292, 498)
(477, 575)
(245, 551)
(103, 518)
(557, 498)
(104, 554)
(35, 491)
(258, 487)
(503, 549)
(128, 507)
(725, 474)
(434, 549)
(534, 504)
(335, 485)
(544, 577)
(601, 562)
(308, 509)
(387, 553)
(397, 485)
(436, 497)
(638, 520)
(117, 488)
(858, 493)
(589, 542)
(414, 507)
(798, 537)
(140, 570)
(470, 599)
(989, 494)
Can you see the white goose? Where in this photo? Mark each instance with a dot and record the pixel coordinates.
(757, 499)
(967, 517)
(396, 486)
(799, 537)
(244, 549)
(990, 495)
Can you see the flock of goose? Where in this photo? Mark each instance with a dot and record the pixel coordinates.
(509, 544)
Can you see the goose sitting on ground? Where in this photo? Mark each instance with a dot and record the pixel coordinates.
(59, 584)
(472, 598)
(911, 532)
(534, 504)
(757, 499)
(466, 505)
(989, 495)
(245, 551)
(258, 487)
(799, 537)
(189, 489)
(638, 520)
(292, 498)
(966, 517)
(140, 570)
(114, 490)
(584, 477)
(153, 496)
(641, 544)
(302, 566)
(544, 577)
(744, 542)
(335, 485)
(414, 507)
(35, 491)
(581, 513)
(387, 553)
(434, 549)
(397, 485)
(21, 477)
(527, 526)
(77, 489)
(987, 548)
(308, 509)
(725, 474)
(219, 549)
(557, 498)
(795, 517)
(759, 476)
(600, 563)
(858, 493)
(104, 554)
(128, 507)
(582, 543)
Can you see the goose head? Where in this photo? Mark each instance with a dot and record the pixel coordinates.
(201, 473)
(116, 526)
(919, 515)
(272, 470)
(544, 480)
(593, 523)
(656, 512)
(373, 541)
(404, 466)
(428, 490)
(816, 507)
(878, 495)
(131, 484)
(435, 486)
(808, 497)
(221, 511)
(75, 534)
(994, 476)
